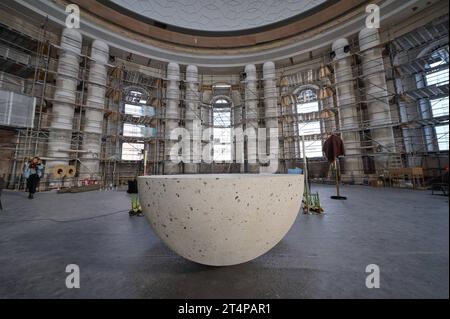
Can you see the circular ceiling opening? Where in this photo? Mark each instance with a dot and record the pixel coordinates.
(219, 15)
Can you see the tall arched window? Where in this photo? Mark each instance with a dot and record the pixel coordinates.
(437, 67)
(307, 102)
(135, 106)
(221, 112)
(437, 74)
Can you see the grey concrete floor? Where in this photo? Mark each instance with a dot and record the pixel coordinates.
(404, 232)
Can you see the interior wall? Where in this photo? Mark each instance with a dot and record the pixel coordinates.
(318, 168)
(7, 146)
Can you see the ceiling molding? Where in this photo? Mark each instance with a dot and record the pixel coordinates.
(122, 39)
(110, 14)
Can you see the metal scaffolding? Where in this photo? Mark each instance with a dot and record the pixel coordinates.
(30, 57)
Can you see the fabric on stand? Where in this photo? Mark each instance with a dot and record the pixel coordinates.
(333, 147)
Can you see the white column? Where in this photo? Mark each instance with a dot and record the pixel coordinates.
(238, 146)
(270, 108)
(207, 142)
(172, 114)
(93, 119)
(426, 113)
(287, 126)
(61, 124)
(348, 114)
(251, 116)
(428, 131)
(193, 119)
(409, 111)
(376, 92)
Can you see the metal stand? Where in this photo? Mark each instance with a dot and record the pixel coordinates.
(337, 196)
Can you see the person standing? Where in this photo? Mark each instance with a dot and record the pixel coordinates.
(33, 172)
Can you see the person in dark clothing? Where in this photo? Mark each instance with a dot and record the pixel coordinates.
(33, 172)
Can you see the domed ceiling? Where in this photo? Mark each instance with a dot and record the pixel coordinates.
(220, 15)
(220, 33)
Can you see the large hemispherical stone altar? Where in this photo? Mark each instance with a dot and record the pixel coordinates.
(224, 219)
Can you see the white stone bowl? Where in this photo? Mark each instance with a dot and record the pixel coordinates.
(221, 219)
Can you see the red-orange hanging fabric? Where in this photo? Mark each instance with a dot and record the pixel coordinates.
(333, 147)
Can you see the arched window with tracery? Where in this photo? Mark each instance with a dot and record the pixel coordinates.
(135, 106)
(307, 102)
(437, 74)
(221, 112)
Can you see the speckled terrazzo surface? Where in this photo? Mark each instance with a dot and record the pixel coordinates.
(221, 219)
